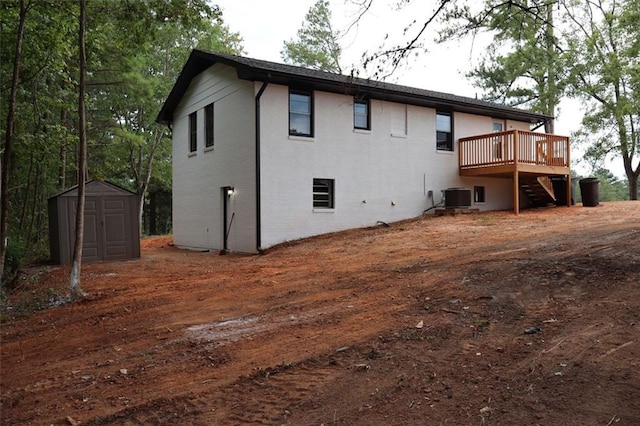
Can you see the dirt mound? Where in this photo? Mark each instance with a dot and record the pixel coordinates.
(156, 242)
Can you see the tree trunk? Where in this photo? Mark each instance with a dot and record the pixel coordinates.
(142, 184)
(549, 125)
(76, 290)
(633, 189)
(632, 176)
(25, 202)
(62, 173)
(8, 140)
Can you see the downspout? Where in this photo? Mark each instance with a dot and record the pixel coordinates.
(258, 196)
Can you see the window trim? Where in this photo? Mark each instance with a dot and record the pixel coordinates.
(450, 141)
(330, 193)
(209, 125)
(367, 104)
(193, 132)
(308, 93)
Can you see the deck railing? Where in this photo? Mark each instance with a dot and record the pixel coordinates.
(513, 147)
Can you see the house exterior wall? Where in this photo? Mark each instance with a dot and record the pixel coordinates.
(386, 173)
(379, 175)
(198, 177)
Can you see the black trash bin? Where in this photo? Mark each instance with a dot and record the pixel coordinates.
(560, 190)
(589, 191)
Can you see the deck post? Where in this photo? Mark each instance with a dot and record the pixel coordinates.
(516, 180)
(568, 156)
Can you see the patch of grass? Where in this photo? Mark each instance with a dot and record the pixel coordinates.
(409, 334)
(484, 220)
(27, 295)
(29, 302)
(483, 323)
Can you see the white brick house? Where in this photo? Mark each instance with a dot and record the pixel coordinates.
(265, 153)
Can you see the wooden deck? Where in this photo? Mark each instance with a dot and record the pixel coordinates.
(516, 154)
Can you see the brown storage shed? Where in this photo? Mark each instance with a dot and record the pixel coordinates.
(110, 223)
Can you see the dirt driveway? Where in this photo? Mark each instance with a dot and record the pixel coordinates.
(485, 319)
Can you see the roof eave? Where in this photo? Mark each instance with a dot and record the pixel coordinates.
(200, 60)
(497, 111)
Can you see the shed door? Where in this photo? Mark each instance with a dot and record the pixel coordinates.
(114, 211)
(92, 249)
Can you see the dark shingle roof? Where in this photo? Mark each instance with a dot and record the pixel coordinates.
(259, 70)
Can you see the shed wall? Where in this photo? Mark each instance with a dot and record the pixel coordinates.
(110, 224)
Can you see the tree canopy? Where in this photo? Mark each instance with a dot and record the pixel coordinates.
(134, 53)
(317, 45)
(543, 51)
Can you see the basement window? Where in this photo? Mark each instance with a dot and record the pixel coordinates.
(478, 194)
(323, 194)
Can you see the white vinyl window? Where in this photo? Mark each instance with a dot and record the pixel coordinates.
(208, 126)
(444, 135)
(300, 113)
(361, 114)
(193, 132)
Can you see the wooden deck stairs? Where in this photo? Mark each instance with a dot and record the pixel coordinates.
(539, 190)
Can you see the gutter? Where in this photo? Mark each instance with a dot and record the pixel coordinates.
(258, 195)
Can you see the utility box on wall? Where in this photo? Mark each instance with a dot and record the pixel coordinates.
(111, 229)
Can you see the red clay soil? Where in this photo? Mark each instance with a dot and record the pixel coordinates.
(475, 319)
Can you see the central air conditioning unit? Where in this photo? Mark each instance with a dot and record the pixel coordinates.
(457, 198)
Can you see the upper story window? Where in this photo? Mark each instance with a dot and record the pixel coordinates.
(361, 114)
(444, 135)
(208, 125)
(300, 113)
(193, 131)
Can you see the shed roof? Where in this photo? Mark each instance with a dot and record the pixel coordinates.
(95, 187)
(272, 72)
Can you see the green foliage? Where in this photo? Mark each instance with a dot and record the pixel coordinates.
(317, 46)
(610, 187)
(524, 65)
(604, 51)
(543, 50)
(135, 51)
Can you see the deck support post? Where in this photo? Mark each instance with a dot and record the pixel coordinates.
(567, 149)
(516, 193)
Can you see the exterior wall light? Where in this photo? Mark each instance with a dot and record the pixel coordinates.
(230, 191)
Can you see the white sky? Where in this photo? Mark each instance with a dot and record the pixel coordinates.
(265, 25)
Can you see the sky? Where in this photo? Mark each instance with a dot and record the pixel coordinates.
(264, 25)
